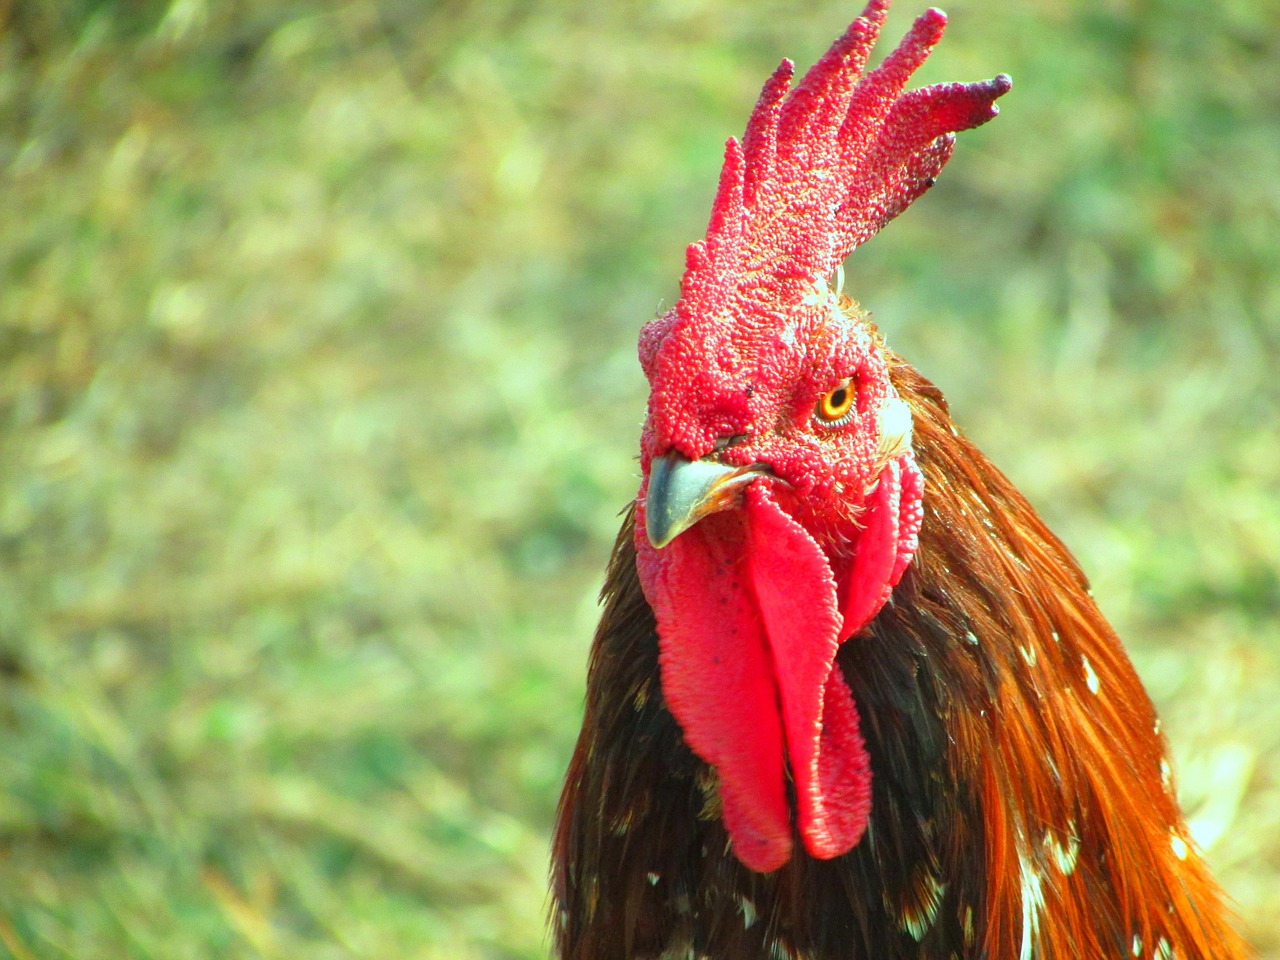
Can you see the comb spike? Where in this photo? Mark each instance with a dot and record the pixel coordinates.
(895, 194)
(875, 95)
(822, 96)
(760, 142)
(727, 210)
(697, 287)
(907, 148)
(837, 70)
(911, 51)
(921, 116)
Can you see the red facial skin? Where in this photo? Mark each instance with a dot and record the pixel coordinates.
(753, 602)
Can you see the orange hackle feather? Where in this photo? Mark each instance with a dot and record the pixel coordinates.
(1021, 803)
(1065, 742)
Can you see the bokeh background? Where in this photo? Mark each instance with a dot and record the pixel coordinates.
(318, 404)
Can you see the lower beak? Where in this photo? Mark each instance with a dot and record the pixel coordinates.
(682, 492)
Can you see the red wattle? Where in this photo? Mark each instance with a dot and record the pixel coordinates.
(795, 596)
(717, 677)
(839, 817)
(748, 627)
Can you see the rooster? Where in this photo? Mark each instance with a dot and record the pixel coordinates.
(849, 697)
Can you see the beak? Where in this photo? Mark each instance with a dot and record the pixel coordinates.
(682, 492)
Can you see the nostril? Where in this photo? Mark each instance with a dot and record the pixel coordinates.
(724, 443)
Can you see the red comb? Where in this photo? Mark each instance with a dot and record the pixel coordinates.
(820, 171)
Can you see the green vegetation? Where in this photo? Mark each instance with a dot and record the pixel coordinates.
(318, 402)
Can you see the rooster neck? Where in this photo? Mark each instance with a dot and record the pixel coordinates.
(642, 861)
(1021, 800)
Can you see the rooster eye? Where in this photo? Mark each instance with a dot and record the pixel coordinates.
(834, 409)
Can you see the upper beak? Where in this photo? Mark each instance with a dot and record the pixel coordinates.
(682, 492)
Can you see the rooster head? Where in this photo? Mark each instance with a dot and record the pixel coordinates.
(781, 501)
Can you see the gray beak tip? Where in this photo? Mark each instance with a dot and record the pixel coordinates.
(681, 492)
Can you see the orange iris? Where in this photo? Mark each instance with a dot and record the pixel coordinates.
(836, 405)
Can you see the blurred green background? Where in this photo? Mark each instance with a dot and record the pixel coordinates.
(319, 402)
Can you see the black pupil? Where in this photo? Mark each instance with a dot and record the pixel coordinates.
(839, 397)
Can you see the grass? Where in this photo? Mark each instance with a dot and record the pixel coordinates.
(319, 400)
